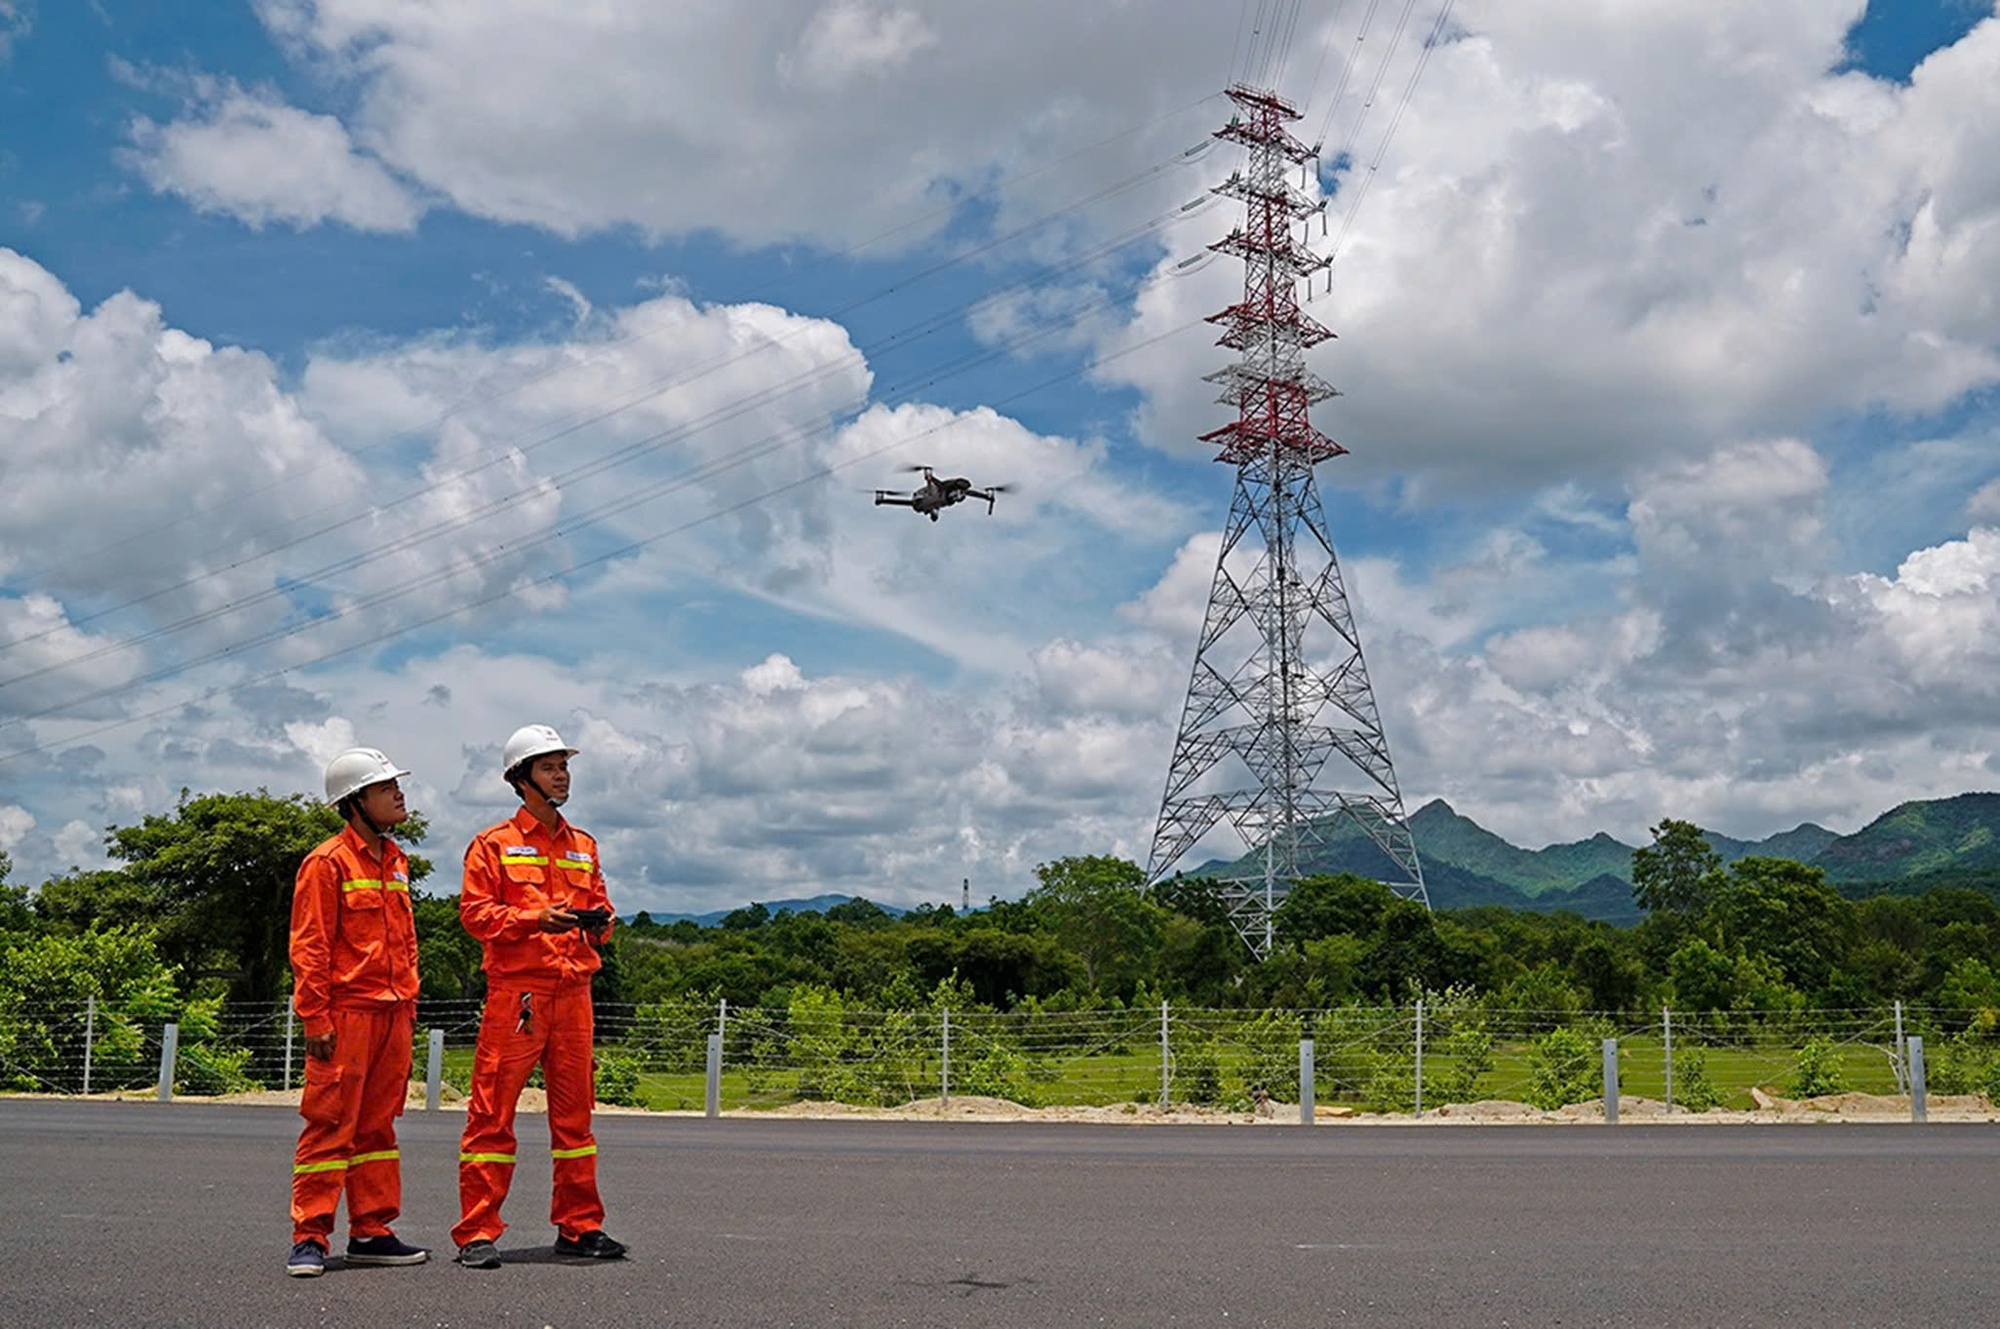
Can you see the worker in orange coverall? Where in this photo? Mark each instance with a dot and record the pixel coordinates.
(354, 986)
(534, 897)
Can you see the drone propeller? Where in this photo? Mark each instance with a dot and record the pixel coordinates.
(1001, 489)
(913, 467)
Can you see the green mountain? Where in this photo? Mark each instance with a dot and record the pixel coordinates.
(1944, 841)
(1802, 844)
(1946, 835)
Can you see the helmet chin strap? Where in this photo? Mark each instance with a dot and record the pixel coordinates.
(360, 809)
(527, 777)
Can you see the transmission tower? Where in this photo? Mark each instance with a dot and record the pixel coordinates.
(1280, 736)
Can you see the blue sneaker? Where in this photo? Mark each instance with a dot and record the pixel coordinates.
(385, 1249)
(308, 1260)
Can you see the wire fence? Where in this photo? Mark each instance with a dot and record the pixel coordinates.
(686, 1055)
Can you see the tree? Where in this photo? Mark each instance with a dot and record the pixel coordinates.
(1196, 897)
(862, 913)
(1094, 907)
(1331, 906)
(1676, 873)
(747, 919)
(1785, 911)
(15, 916)
(220, 871)
(448, 957)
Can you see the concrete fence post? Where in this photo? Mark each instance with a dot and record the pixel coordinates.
(1166, 1059)
(944, 1070)
(1420, 1057)
(1611, 1082)
(1305, 1082)
(1902, 1057)
(1667, 1028)
(89, 1038)
(291, 1023)
(1918, 1107)
(434, 1072)
(714, 1075)
(170, 1046)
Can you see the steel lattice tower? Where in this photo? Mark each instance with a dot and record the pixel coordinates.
(1280, 735)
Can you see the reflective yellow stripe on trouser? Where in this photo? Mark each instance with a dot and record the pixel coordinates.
(584, 1152)
(334, 1165)
(486, 1158)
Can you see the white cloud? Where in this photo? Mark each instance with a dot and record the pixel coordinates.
(678, 118)
(248, 154)
(1610, 234)
(80, 845)
(1985, 501)
(1744, 682)
(15, 822)
(846, 41)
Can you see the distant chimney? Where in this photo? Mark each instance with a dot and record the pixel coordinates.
(965, 895)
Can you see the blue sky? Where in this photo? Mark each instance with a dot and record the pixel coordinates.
(1670, 390)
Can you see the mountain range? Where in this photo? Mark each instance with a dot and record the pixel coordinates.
(1946, 841)
(1912, 847)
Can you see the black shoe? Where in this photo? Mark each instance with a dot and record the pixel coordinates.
(593, 1245)
(308, 1260)
(385, 1249)
(479, 1255)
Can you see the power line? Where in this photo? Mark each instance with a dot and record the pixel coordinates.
(628, 452)
(472, 400)
(504, 453)
(1347, 68)
(901, 394)
(1395, 121)
(635, 546)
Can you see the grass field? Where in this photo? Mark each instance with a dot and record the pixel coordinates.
(1135, 1077)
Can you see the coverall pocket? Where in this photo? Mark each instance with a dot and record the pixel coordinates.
(320, 1103)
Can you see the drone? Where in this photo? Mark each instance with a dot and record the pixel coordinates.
(936, 494)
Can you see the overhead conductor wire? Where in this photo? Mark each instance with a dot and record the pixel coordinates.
(599, 352)
(597, 466)
(509, 451)
(632, 547)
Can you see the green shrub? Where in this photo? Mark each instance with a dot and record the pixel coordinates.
(1820, 1069)
(1963, 1063)
(1197, 1066)
(1692, 1088)
(1392, 1086)
(1562, 1068)
(618, 1079)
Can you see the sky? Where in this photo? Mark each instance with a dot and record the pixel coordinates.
(400, 373)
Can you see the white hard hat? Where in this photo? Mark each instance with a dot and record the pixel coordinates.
(531, 741)
(356, 769)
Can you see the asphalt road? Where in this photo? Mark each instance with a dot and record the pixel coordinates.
(139, 1214)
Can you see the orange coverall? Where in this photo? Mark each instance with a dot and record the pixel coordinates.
(537, 1011)
(354, 975)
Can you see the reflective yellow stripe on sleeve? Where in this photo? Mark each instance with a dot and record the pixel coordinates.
(486, 1158)
(379, 1156)
(335, 1165)
(584, 1152)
